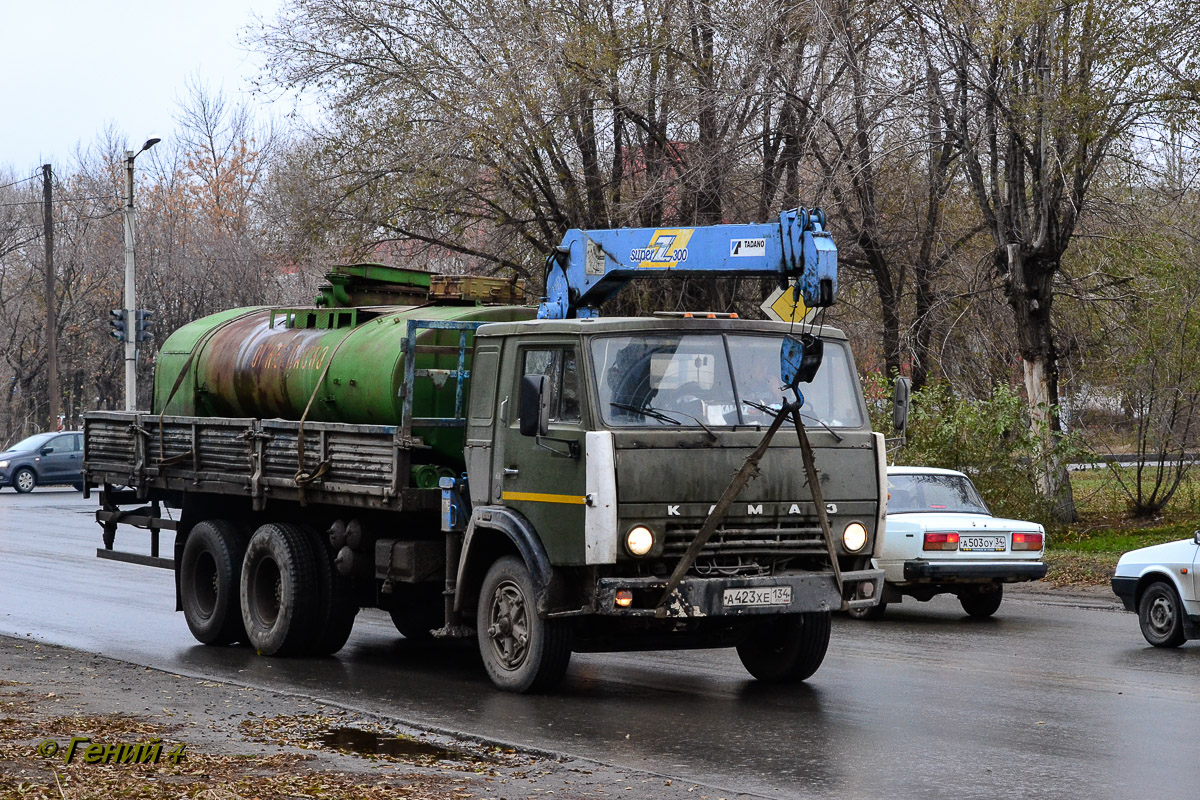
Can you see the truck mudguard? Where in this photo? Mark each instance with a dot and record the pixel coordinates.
(522, 535)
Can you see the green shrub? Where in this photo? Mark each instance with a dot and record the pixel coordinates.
(989, 439)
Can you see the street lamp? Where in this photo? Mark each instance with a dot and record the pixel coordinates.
(130, 304)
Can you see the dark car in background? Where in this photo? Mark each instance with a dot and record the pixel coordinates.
(44, 459)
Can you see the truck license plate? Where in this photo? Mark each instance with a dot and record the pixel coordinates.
(981, 544)
(758, 596)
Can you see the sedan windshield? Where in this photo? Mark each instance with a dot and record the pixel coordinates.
(32, 443)
(713, 380)
(951, 493)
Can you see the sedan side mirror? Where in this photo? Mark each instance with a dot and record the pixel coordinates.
(1196, 537)
(47, 451)
(534, 405)
(900, 397)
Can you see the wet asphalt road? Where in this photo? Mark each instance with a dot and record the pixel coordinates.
(1045, 700)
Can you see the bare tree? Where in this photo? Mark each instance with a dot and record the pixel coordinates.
(1039, 94)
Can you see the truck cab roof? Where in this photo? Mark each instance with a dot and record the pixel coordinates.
(602, 325)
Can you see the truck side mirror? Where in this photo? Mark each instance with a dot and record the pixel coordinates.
(535, 405)
(900, 396)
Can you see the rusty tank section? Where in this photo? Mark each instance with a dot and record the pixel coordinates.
(329, 362)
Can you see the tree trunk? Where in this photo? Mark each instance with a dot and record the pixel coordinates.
(1029, 295)
(922, 356)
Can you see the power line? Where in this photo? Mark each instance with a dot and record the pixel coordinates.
(62, 200)
(23, 180)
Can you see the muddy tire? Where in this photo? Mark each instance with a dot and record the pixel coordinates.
(521, 652)
(23, 480)
(336, 605)
(280, 590)
(786, 649)
(982, 604)
(209, 576)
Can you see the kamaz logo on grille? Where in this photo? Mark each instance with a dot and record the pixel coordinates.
(667, 248)
(756, 509)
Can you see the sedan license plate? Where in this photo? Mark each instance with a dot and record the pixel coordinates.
(982, 544)
(758, 596)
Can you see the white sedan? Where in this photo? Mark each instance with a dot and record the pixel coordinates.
(1160, 584)
(940, 538)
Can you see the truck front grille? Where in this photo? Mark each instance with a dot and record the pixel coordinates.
(742, 547)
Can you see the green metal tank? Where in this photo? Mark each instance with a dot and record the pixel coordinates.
(269, 363)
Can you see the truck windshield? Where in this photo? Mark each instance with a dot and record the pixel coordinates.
(662, 380)
(909, 494)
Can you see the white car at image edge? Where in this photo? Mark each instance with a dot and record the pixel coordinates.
(939, 537)
(1160, 584)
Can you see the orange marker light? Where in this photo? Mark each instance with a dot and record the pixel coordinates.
(624, 598)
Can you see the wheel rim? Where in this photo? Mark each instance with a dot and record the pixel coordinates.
(204, 585)
(508, 626)
(25, 481)
(268, 592)
(1162, 615)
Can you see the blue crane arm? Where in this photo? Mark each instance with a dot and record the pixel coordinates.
(589, 267)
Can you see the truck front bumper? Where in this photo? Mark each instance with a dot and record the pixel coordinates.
(949, 571)
(705, 597)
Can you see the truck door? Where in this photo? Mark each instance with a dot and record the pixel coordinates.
(544, 479)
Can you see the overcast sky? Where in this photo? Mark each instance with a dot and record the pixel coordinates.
(69, 68)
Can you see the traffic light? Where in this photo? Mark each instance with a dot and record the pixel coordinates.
(143, 325)
(117, 323)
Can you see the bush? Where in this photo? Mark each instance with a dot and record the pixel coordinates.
(989, 439)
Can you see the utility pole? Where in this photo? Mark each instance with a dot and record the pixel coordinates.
(51, 314)
(130, 305)
(130, 299)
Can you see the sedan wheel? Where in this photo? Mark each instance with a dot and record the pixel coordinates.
(24, 480)
(1161, 617)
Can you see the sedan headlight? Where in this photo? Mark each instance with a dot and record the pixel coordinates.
(639, 540)
(854, 537)
(3, 465)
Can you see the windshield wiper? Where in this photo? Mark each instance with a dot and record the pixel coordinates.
(697, 420)
(646, 411)
(773, 411)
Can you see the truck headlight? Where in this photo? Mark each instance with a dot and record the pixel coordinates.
(854, 537)
(639, 540)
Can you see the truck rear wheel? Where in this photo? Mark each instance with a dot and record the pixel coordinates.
(280, 590)
(786, 649)
(336, 606)
(209, 574)
(521, 651)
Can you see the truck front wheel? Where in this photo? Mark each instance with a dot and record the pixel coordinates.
(786, 649)
(280, 590)
(521, 652)
(208, 582)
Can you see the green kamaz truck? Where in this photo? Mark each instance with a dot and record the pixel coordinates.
(539, 477)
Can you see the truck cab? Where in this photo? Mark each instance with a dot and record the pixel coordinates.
(608, 467)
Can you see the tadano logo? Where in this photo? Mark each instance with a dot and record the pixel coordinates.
(743, 248)
(667, 248)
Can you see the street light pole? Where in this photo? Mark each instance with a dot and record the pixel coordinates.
(130, 294)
